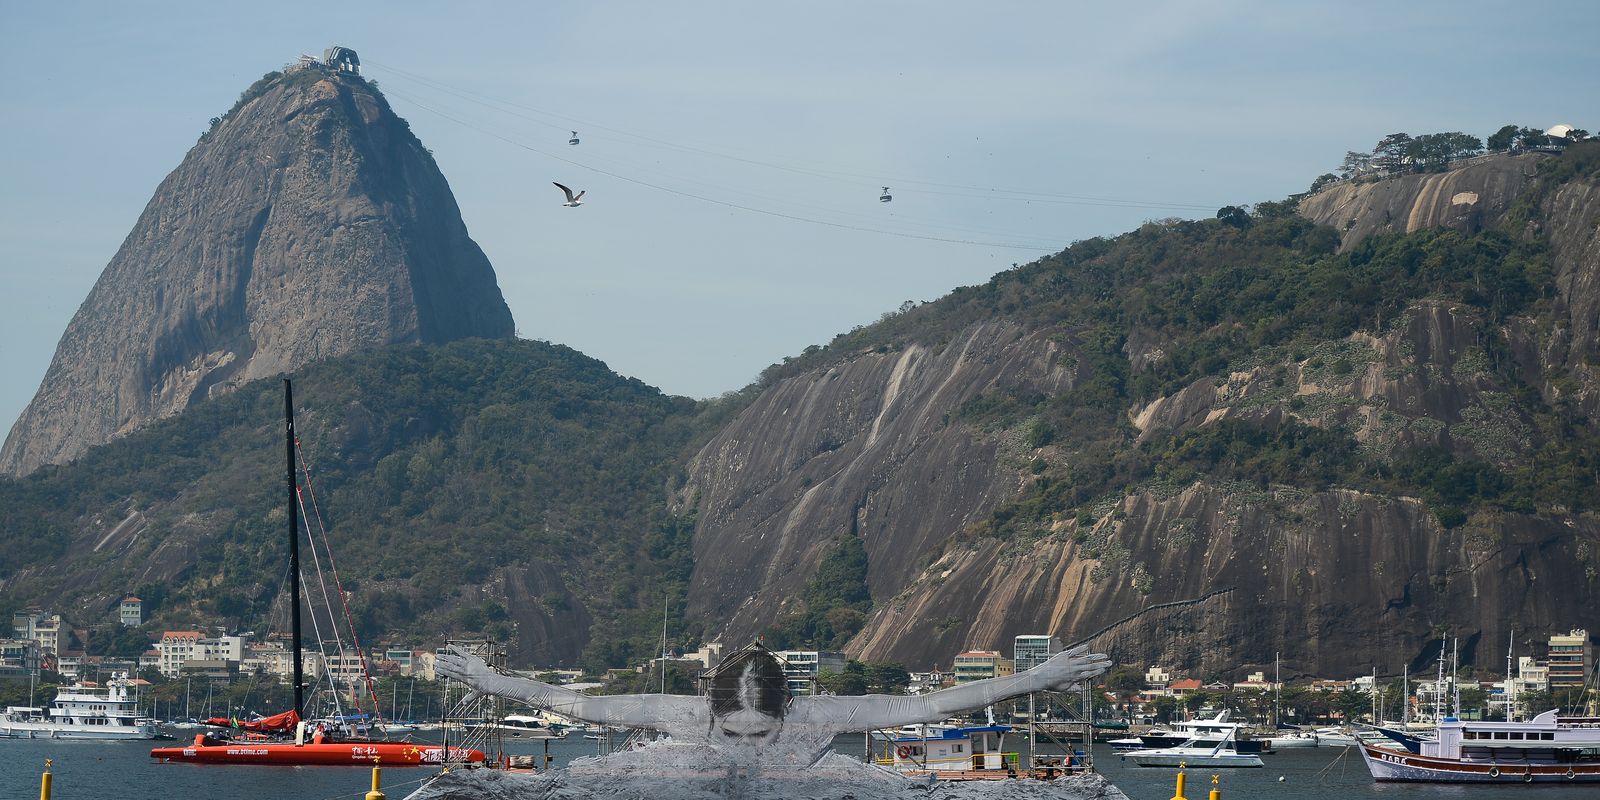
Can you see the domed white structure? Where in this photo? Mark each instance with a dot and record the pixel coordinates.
(1559, 131)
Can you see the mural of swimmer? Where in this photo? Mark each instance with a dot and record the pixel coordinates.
(747, 705)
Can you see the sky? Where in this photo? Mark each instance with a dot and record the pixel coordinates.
(733, 153)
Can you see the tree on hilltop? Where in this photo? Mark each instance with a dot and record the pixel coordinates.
(1502, 139)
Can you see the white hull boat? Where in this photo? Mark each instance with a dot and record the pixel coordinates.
(1194, 754)
(1543, 750)
(82, 711)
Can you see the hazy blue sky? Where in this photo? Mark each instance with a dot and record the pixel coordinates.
(800, 109)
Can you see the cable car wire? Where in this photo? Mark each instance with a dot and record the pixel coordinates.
(963, 190)
(725, 203)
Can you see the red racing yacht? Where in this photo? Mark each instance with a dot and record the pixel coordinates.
(257, 745)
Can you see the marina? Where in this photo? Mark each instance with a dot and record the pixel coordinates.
(125, 770)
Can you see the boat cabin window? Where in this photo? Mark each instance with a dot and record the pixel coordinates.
(957, 748)
(1499, 734)
(1547, 736)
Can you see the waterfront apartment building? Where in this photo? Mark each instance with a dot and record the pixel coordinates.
(177, 647)
(976, 665)
(802, 666)
(1569, 659)
(1032, 649)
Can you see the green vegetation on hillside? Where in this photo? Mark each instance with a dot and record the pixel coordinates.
(434, 467)
(834, 604)
(1267, 286)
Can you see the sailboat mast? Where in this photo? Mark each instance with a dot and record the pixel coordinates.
(1455, 677)
(1438, 688)
(664, 644)
(294, 547)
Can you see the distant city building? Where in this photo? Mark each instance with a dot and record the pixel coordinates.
(19, 655)
(44, 628)
(800, 667)
(70, 664)
(1325, 685)
(1031, 650)
(1157, 677)
(1183, 687)
(925, 682)
(1364, 684)
(1530, 677)
(1256, 681)
(1569, 659)
(131, 612)
(345, 668)
(177, 647)
(709, 655)
(976, 665)
(216, 670)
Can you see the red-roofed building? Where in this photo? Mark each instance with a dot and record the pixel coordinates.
(177, 647)
(1186, 686)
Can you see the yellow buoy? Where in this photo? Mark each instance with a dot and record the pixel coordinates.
(1216, 793)
(44, 781)
(1177, 794)
(377, 791)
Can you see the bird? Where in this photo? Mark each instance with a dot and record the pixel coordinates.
(573, 200)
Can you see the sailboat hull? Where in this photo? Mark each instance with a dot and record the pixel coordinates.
(387, 754)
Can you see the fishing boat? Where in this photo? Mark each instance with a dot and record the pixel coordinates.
(82, 711)
(1545, 749)
(319, 748)
(950, 748)
(1195, 753)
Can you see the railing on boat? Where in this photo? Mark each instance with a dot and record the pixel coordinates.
(975, 761)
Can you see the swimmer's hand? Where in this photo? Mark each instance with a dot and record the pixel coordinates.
(1068, 668)
(465, 667)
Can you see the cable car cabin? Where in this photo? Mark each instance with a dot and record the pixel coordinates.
(574, 139)
(885, 197)
(951, 749)
(342, 59)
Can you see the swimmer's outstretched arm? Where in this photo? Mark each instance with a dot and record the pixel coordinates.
(664, 712)
(873, 711)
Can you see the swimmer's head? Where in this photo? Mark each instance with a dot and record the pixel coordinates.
(749, 697)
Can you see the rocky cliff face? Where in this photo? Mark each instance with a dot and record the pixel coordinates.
(869, 447)
(1467, 198)
(309, 223)
(1340, 581)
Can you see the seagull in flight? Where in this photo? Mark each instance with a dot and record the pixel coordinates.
(573, 200)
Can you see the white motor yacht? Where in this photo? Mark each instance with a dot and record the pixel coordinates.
(82, 711)
(1195, 753)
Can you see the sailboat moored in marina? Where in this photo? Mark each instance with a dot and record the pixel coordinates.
(322, 749)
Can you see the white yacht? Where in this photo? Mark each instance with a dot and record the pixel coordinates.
(1206, 731)
(1195, 753)
(523, 726)
(82, 711)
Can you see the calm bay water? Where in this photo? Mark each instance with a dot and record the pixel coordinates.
(124, 771)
